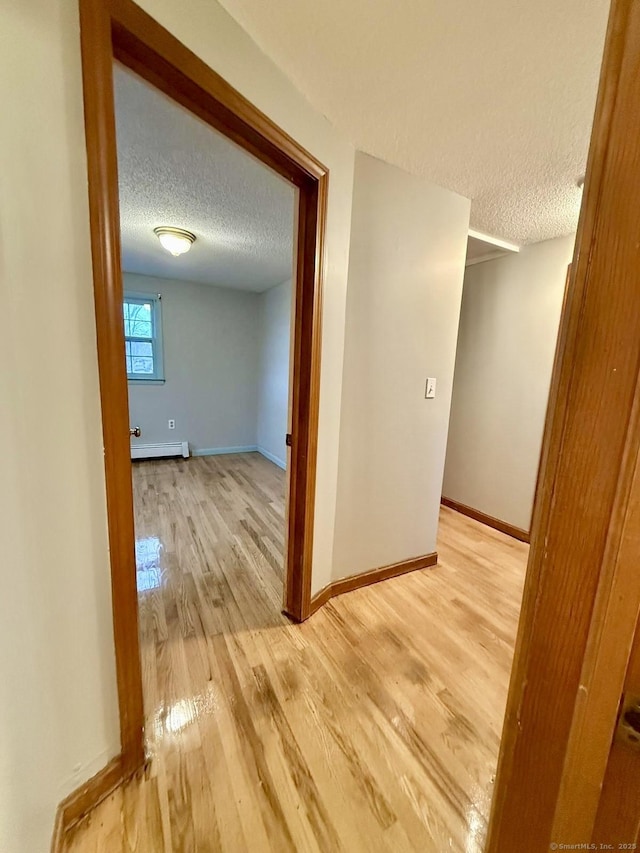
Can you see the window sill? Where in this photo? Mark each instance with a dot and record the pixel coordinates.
(146, 381)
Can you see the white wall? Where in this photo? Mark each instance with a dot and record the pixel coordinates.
(273, 382)
(408, 243)
(58, 708)
(211, 338)
(226, 365)
(508, 329)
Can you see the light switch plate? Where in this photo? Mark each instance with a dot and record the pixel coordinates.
(430, 388)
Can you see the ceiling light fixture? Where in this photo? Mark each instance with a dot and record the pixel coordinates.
(175, 240)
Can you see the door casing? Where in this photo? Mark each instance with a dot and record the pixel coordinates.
(580, 602)
(121, 30)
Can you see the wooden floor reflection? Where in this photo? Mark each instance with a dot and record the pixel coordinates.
(374, 726)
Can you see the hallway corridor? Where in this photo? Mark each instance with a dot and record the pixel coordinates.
(374, 726)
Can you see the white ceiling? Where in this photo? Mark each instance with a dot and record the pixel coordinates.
(479, 250)
(491, 99)
(176, 170)
(482, 248)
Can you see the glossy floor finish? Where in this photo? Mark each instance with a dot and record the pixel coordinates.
(374, 726)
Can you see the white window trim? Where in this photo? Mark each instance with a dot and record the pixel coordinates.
(157, 377)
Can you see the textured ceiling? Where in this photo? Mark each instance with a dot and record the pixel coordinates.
(175, 170)
(491, 99)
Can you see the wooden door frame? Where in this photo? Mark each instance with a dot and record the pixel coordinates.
(581, 600)
(121, 30)
(564, 690)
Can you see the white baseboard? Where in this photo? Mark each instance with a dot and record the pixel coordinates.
(181, 448)
(154, 451)
(220, 451)
(270, 456)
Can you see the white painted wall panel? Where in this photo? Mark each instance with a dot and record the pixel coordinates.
(273, 382)
(506, 344)
(408, 244)
(211, 341)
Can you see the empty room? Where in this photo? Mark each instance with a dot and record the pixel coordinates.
(206, 311)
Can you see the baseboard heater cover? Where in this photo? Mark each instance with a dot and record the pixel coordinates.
(155, 451)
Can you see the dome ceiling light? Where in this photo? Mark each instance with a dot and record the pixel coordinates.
(177, 241)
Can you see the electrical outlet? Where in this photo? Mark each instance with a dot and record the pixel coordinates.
(430, 388)
(172, 423)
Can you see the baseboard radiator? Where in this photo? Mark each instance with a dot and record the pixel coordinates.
(156, 451)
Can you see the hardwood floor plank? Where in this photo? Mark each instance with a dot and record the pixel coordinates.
(374, 726)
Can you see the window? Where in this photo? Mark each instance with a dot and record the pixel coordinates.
(143, 337)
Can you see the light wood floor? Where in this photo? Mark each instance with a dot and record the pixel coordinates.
(374, 726)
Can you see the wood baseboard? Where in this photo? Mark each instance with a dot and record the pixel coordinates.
(343, 585)
(80, 802)
(320, 599)
(489, 520)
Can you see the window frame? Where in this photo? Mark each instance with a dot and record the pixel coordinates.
(157, 377)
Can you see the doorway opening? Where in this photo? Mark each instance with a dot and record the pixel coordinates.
(127, 35)
(207, 351)
(512, 301)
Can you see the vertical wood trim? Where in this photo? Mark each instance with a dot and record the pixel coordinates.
(585, 456)
(618, 818)
(608, 648)
(557, 393)
(97, 72)
(307, 349)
